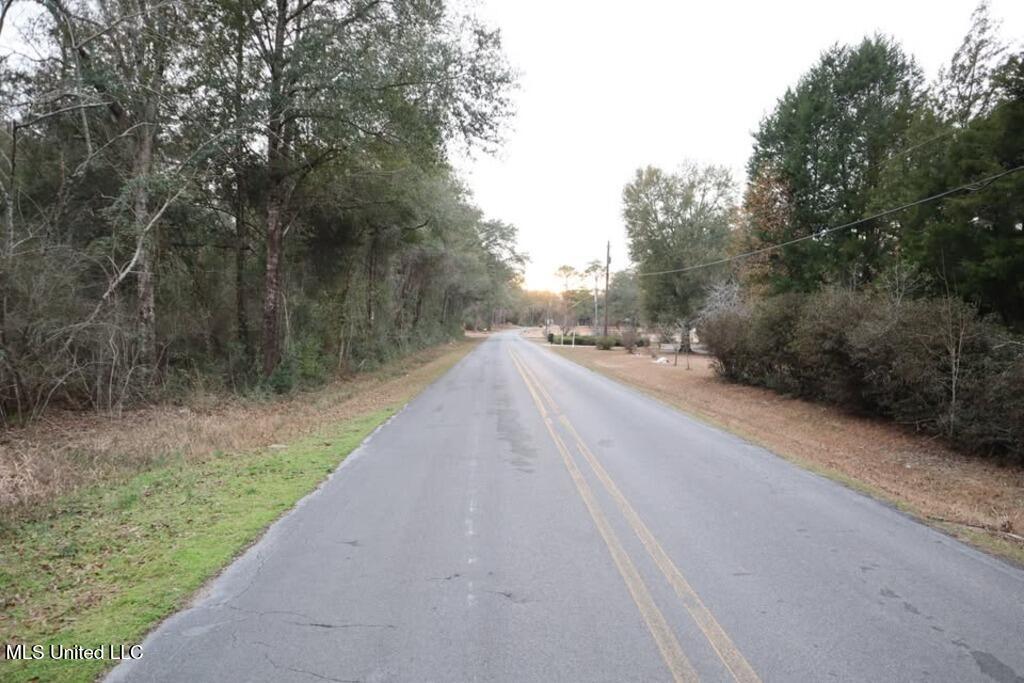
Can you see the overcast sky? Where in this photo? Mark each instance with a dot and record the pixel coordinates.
(607, 87)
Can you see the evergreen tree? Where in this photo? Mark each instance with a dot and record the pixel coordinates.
(825, 142)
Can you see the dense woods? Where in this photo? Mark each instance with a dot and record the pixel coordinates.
(876, 257)
(239, 193)
(253, 195)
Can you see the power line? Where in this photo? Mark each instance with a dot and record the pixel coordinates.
(944, 134)
(952, 131)
(968, 187)
(910, 148)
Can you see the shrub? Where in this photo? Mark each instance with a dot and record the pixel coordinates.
(578, 340)
(822, 353)
(605, 343)
(282, 379)
(629, 341)
(724, 333)
(933, 363)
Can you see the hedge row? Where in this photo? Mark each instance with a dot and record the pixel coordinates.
(588, 340)
(931, 363)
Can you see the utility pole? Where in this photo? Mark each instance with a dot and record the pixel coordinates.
(607, 266)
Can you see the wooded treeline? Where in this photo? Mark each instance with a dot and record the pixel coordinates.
(577, 304)
(876, 258)
(238, 192)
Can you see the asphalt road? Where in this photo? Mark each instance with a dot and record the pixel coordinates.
(525, 519)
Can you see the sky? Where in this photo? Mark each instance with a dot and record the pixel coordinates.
(608, 87)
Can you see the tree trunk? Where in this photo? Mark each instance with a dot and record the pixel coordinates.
(11, 192)
(147, 115)
(145, 278)
(277, 161)
(370, 271)
(272, 284)
(241, 317)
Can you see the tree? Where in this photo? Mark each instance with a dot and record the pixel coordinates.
(534, 308)
(594, 268)
(342, 76)
(172, 156)
(675, 221)
(503, 264)
(567, 274)
(973, 242)
(825, 143)
(123, 63)
(624, 306)
(966, 88)
(765, 219)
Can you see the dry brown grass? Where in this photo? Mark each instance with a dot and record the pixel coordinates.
(66, 451)
(918, 473)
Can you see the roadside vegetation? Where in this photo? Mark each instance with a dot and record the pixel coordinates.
(876, 259)
(65, 452)
(237, 197)
(867, 285)
(105, 563)
(208, 208)
(231, 244)
(626, 340)
(931, 363)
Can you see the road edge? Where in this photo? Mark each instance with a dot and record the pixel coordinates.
(977, 539)
(288, 474)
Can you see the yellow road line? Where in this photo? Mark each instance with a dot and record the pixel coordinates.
(727, 651)
(668, 645)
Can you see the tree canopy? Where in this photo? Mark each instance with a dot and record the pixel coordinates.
(673, 221)
(864, 167)
(174, 172)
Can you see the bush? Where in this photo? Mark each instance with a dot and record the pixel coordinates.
(629, 340)
(934, 363)
(823, 351)
(551, 337)
(580, 340)
(606, 343)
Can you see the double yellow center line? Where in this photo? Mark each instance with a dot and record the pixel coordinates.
(662, 633)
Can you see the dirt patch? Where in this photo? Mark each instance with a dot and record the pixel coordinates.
(918, 473)
(66, 451)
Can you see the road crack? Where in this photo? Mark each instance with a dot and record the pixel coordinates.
(315, 624)
(307, 672)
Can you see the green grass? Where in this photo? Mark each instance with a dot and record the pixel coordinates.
(105, 564)
(110, 562)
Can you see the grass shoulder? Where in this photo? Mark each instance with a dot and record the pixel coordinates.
(105, 564)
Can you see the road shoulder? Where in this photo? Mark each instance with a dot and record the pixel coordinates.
(972, 499)
(107, 563)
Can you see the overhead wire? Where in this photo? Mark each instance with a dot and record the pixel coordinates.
(967, 187)
(817, 234)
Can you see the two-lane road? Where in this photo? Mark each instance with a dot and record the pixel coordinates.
(525, 519)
